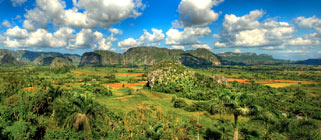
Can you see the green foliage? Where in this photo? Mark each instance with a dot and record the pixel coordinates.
(20, 130)
(100, 90)
(61, 65)
(171, 77)
(179, 103)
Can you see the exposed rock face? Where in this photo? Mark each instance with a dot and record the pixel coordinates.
(91, 59)
(44, 61)
(108, 57)
(149, 55)
(193, 61)
(205, 54)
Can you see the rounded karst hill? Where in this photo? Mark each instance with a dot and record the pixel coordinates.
(61, 64)
(8, 60)
(170, 77)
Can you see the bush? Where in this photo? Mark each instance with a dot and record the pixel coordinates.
(212, 135)
(100, 90)
(179, 103)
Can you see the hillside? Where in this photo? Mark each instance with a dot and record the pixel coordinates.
(230, 58)
(310, 62)
(8, 59)
(39, 58)
(149, 56)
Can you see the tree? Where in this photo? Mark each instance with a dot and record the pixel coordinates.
(80, 114)
(236, 103)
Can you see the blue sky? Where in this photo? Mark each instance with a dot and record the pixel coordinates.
(286, 29)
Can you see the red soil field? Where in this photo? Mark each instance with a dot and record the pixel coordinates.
(143, 82)
(270, 81)
(238, 80)
(77, 72)
(120, 85)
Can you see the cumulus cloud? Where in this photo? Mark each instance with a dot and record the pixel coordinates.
(237, 51)
(178, 47)
(247, 31)
(16, 3)
(16, 33)
(11, 43)
(84, 14)
(145, 39)
(196, 13)
(205, 46)
(115, 31)
(127, 43)
(311, 22)
(6, 23)
(189, 36)
(156, 36)
(64, 37)
(308, 39)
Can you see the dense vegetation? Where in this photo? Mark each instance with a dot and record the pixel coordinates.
(176, 103)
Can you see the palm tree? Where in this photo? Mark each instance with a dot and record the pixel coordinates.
(79, 113)
(236, 103)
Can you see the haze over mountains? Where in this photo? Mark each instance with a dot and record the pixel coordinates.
(139, 56)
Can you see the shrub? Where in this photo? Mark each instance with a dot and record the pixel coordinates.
(100, 90)
(179, 103)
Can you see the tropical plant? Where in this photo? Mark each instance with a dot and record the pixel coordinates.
(80, 114)
(236, 103)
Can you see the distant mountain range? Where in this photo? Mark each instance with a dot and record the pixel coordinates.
(23, 57)
(230, 58)
(139, 56)
(150, 56)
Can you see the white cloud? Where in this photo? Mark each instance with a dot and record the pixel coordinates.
(16, 3)
(84, 39)
(274, 47)
(196, 13)
(145, 39)
(6, 23)
(294, 51)
(308, 39)
(11, 43)
(115, 31)
(189, 36)
(300, 41)
(237, 51)
(16, 33)
(311, 22)
(319, 52)
(64, 37)
(84, 14)
(205, 46)
(127, 43)
(247, 31)
(216, 36)
(27, 24)
(156, 36)
(178, 47)
(42, 39)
